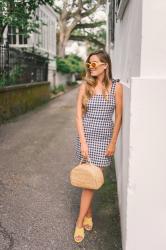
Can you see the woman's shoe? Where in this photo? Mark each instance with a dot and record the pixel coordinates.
(88, 223)
(79, 234)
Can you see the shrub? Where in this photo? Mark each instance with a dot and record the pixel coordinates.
(3, 81)
(15, 74)
(11, 78)
(70, 64)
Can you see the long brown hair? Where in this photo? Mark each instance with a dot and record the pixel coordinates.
(91, 82)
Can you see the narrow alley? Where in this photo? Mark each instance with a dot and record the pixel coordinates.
(38, 205)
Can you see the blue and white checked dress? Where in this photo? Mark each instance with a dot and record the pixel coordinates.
(98, 128)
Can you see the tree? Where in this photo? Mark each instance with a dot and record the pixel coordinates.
(96, 39)
(20, 14)
(72, 17)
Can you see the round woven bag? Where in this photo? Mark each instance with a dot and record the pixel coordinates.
(87, 175)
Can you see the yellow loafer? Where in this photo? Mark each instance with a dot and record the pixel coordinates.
(79, 234)
(88, 223)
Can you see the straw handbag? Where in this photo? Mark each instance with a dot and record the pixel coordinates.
(87, 175)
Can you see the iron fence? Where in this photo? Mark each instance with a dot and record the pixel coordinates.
(4, 59)
(18, 66)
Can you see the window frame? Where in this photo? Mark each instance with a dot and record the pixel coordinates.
(112, 11)
(120, 8)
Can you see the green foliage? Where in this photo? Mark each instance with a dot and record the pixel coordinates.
(20, 15)
(12, 78)
(15, 74)
(70, 64)
(3, 81)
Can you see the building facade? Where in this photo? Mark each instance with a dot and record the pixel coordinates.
(42, 43)
(136, 42)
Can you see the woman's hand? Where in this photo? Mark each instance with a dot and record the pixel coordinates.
(110, 149)
(84, 149)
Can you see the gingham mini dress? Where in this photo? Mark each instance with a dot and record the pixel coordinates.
(98, 128)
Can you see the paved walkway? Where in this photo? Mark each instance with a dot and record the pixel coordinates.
(38, 206)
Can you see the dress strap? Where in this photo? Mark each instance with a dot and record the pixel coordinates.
(114, 81)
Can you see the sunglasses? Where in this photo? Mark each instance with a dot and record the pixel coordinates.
(93, 65)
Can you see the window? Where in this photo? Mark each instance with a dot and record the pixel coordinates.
(112, 20)
(16, 36)
(116, 11)
(12, 35)
(118, 2)
(22, 38)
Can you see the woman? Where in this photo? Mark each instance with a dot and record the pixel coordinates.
(97, 98)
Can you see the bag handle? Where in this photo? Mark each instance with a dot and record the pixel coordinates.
(87, 160)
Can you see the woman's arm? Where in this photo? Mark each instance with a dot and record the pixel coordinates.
(79, 123)
(118, 119)
(118, 111)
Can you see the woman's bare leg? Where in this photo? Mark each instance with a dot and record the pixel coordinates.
(86, 198)
(85, 206)
(89, 211)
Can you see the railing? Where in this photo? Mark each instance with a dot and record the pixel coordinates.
(19, 66)
(4, 59)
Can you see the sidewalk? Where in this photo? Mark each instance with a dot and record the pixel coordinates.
(38, 206)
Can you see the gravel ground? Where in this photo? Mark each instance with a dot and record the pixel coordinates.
(38, 206)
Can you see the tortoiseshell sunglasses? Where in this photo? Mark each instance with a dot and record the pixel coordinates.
(93, 65)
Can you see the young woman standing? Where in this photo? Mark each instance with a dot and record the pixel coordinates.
(98, 96)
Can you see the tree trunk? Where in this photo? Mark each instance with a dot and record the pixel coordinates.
(63, 38)
(61, 45)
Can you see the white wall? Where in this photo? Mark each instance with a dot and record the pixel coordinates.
(122, 162)
(138, 58)
(125, 53)
(146, 199)
(153, 59)
(44, 42)
(62, 78)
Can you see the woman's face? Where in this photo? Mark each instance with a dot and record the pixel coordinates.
(100, 66)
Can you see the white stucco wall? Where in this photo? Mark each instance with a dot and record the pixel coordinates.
(122, 162)
(138, 59)
(146, 199)
(125, 53)
(153, 59)
(63, 79)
